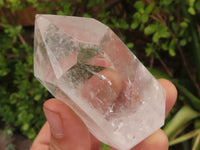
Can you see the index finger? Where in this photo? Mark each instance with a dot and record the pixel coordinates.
(171, 94)
(43, 138)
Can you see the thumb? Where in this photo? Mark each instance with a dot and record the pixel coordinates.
(67, 130)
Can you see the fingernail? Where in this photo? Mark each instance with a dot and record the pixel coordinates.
(55, 123)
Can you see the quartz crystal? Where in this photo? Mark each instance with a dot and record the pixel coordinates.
(83, 63)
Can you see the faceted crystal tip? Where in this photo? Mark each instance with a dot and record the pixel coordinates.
(84, 64)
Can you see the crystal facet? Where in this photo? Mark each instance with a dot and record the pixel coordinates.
(84, 64)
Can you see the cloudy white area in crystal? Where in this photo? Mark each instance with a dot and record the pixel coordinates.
(69, 52)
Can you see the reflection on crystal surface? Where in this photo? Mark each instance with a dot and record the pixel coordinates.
(82, 59)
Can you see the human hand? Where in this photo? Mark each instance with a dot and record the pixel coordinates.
(64, 130)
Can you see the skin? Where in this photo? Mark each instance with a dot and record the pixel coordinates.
(64, 130)
(108, 88)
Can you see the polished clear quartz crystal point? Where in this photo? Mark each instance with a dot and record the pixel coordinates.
(84, 64)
